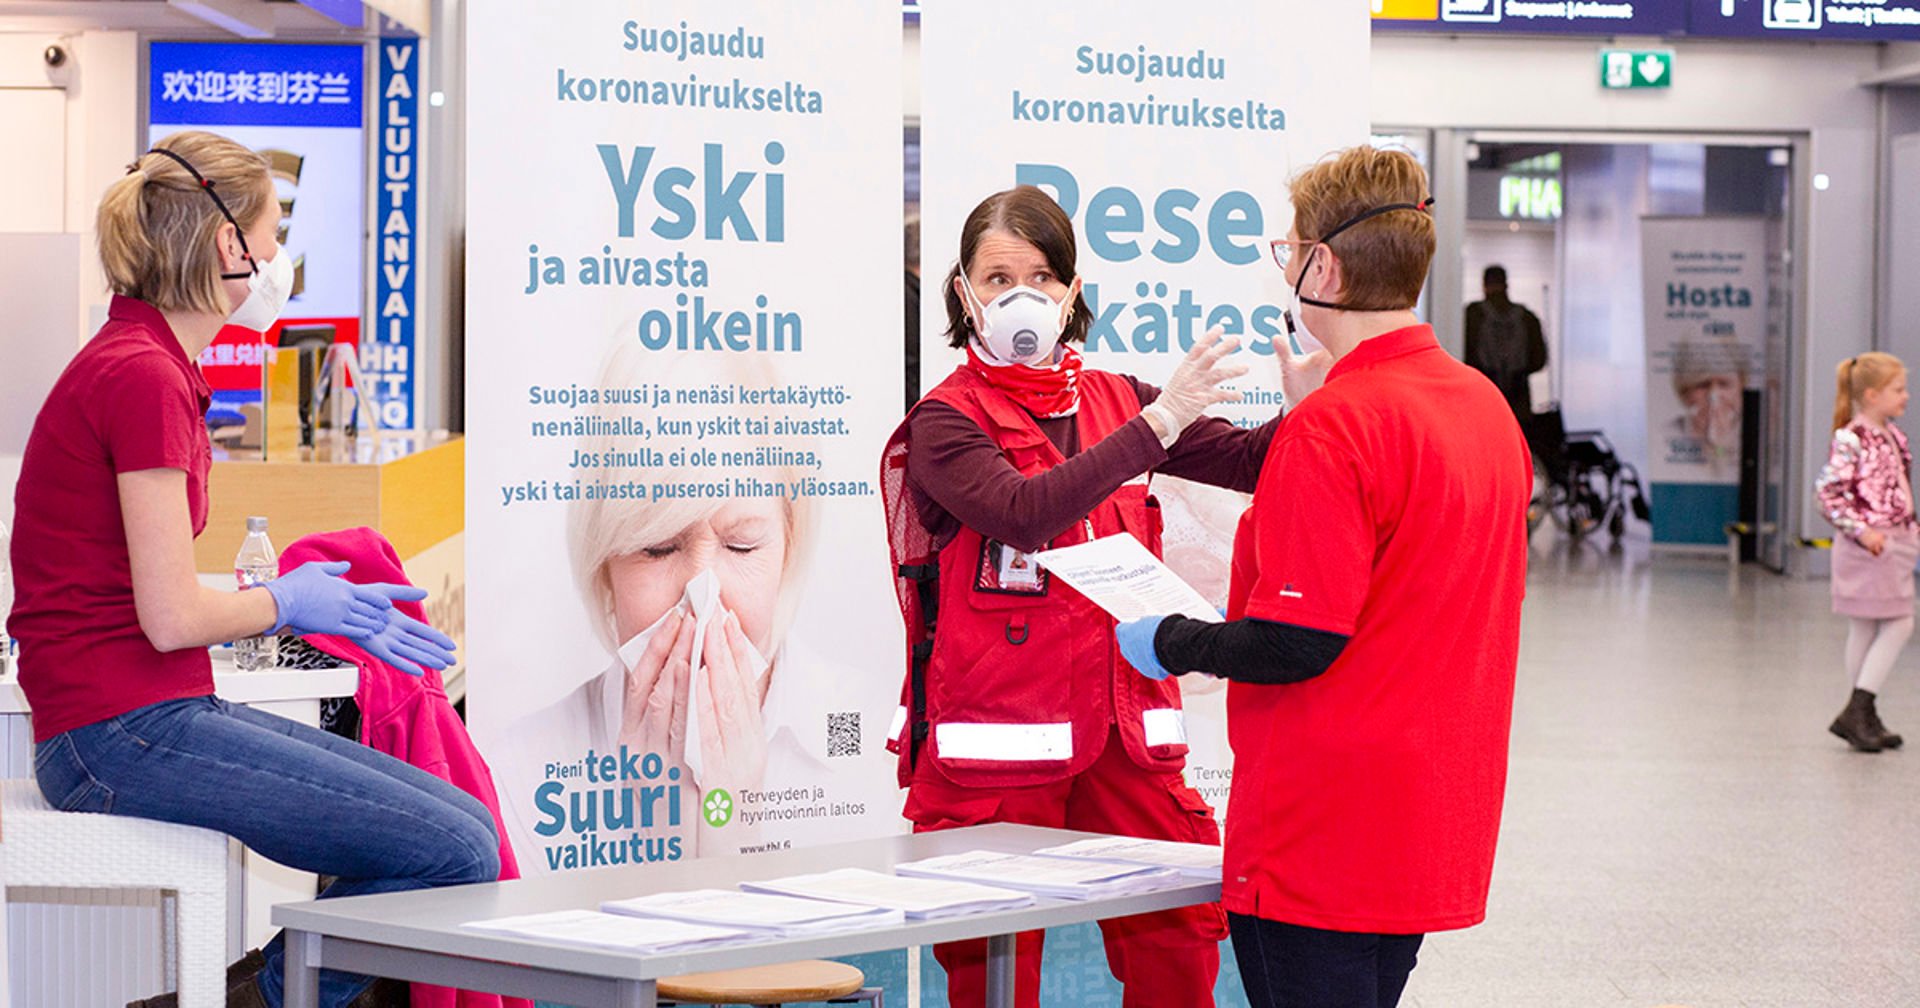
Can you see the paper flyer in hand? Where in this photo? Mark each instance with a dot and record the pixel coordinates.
(1121, 576)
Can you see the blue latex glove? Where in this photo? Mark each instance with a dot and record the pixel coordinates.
(1136, 645)
(408, 644)
(314, 598)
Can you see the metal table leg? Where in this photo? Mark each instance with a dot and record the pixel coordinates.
(636, 994)
(303, 970)
(1000, 971)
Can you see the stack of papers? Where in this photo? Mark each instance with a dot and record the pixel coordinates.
(615, 931)
(917, 898)
(1065, 878)
(1191, 860)
(763, 912)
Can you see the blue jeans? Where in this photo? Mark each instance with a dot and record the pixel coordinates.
(298, 795)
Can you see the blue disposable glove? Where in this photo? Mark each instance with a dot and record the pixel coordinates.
(314, 598)
(1136, 645)
(408, 644)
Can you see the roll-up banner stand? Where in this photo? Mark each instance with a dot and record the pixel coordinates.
(683, 359)
(1168, 133)
(1706, 291)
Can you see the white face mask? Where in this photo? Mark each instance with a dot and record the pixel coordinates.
(267, 292)
(1021, 326)
(1297, 326)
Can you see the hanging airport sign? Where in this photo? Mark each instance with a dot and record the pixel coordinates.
(1791, 20)
(1636, 69)
(1578, 17)
(1801, 20)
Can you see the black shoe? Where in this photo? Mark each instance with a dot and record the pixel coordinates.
(1888, 740)
(245, 993)
(1854, 725)
(241, 970)
(246, 966)
(385, 993)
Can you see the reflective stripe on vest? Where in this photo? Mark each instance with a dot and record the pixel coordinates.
(1004, 742)
(1164, 726)
(899, 722)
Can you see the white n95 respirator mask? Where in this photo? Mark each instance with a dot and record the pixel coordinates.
(268, 290)
(1021, 325)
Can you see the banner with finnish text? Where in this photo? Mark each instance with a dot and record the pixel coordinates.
(681, 366)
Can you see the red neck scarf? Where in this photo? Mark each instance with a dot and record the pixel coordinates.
(1046, 392)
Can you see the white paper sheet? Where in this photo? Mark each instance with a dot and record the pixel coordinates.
(1066, 878)
(1121, 576)
(918, 898)
(1200, 861)
(605, 930)
(785, 915)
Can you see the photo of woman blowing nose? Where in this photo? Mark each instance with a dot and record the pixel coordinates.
(693, 600)
(1017, 708)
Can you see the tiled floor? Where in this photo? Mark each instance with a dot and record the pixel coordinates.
(1680, 828)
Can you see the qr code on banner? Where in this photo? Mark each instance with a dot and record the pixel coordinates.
(843, 734)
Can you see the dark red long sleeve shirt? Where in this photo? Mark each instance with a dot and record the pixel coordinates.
(958, 476)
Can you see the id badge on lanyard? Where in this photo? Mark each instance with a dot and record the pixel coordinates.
(1003, 570)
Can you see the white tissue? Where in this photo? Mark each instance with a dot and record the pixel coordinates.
(702, 600)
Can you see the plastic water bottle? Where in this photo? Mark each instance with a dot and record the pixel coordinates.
(256, 565)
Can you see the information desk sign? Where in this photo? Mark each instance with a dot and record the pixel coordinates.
(1633, 69)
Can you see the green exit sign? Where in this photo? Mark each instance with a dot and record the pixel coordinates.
(1621, 69)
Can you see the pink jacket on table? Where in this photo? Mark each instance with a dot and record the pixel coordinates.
(408, 717)
(1865, 484)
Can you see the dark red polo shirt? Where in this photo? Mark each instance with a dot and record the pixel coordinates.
(1392, 509)
(130, 400)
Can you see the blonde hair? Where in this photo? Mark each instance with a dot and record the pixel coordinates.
(1855, 375)
(158, 230)
(1385, 258)
(600, 531)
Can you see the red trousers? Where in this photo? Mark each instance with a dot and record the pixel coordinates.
(1167, 959)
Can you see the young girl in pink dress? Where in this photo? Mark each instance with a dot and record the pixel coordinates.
(1866, 492)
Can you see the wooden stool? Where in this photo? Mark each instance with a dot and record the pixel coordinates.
(805, 981)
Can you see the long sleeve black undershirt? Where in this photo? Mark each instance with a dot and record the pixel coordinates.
(1246, 650)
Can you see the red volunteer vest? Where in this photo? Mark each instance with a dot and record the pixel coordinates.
(1020, 689)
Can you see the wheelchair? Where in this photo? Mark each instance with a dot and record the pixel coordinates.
(1579, 482)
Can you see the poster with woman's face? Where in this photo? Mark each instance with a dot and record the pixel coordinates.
(682, 633)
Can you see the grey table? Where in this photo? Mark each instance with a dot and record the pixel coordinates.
(417, 936)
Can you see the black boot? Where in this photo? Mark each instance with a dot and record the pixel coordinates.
(241, 969)
(1888, 740)
(1853, 723)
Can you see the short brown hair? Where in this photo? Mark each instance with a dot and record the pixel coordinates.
(1385, 258)
(157, 227)
(1027, 213)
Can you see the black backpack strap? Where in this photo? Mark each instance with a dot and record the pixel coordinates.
(926, 579)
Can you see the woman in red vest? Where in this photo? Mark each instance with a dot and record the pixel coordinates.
(1018, 708)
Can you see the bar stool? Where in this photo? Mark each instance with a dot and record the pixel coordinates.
(810, 980)
(43, 846)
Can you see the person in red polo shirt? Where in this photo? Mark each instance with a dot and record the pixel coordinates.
(1374, 618)
(113, 626)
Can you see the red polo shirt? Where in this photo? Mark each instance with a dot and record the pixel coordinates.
(1392, 509)
(130, 400)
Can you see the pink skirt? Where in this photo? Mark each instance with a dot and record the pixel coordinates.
(1875, 587)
